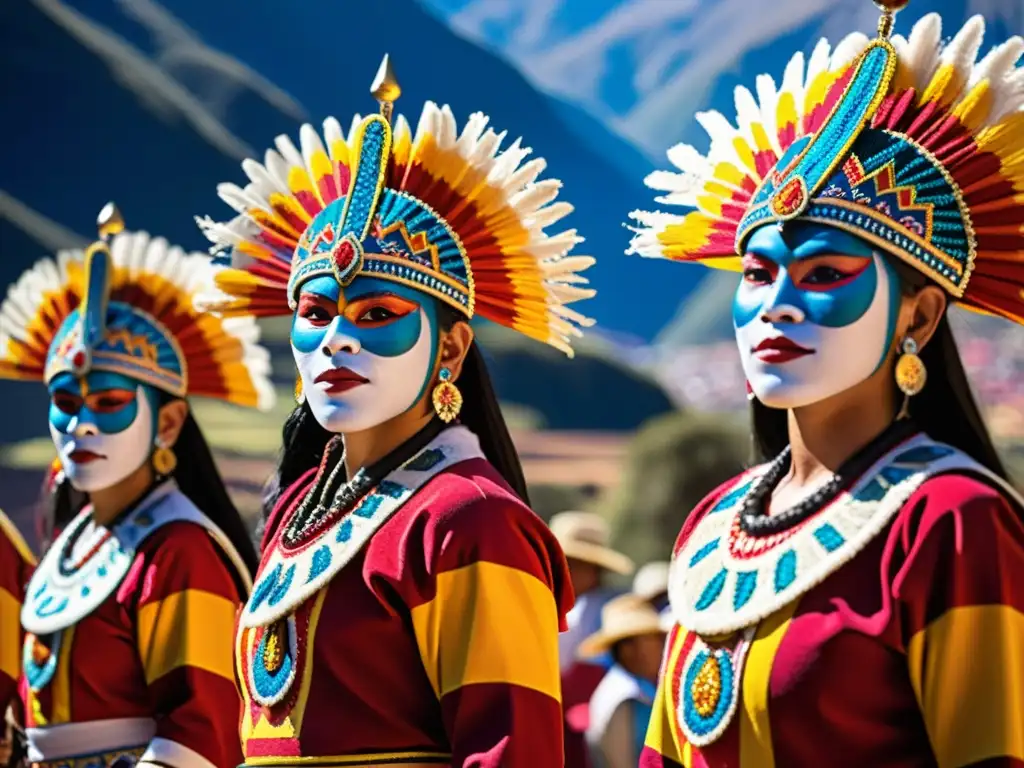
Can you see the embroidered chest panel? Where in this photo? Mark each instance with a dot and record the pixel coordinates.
(723, 582)
(276, 627)
(290, 575)
(87, 562)
(86, 565)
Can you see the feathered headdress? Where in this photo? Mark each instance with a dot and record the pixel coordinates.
(125, 305)
(446, 212)
(909, 144)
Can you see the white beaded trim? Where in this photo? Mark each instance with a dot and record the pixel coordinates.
(856, 522)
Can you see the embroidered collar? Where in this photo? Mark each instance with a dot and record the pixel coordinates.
(289, 576)
(88, 562)
(723, 580)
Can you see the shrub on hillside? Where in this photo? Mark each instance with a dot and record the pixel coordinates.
(672, 463)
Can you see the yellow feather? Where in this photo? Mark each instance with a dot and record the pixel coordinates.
(730, 174)
(944, 86)
(321, 166)
(974, 108)
(710, 204)
(401, 146)
(785, 111)
(298, 181)
(745, 153)
(761, 140)
(818, 90)
(280, 200)
(1004, 139)
(339, 152)
(719, 189)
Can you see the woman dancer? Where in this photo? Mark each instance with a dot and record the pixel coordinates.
(16, 564)
(857, 600)
(408, 602)
(129, 615)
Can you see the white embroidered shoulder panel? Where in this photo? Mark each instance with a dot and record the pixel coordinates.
(62, 592)
(288, 577)
(723, 580)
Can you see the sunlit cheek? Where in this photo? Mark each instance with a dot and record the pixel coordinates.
(748, 303)
(307, 337)
(60, 421)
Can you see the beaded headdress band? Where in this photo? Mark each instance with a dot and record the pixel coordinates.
(125, 306)
(441, 211)
(906, 143)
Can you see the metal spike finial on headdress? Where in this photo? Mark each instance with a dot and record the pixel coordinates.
(889, 10)
(385, 88)
(109, 222)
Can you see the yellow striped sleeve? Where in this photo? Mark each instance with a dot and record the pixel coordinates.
(190, 628)
(489, 623)
(13, 535)
(967, 669)
(755, 724)
(10, 635)
(663, 735)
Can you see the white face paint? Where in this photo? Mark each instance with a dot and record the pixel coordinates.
(365, 357)
(812, 326)
(352, 390)
(94, 460)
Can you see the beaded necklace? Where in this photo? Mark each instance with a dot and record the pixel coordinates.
(67, 566)
(754, 519)
(332, 496)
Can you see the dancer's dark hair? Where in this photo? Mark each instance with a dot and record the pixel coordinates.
(304, 440)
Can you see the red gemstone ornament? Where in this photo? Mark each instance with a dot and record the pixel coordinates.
(344, 255)
(347, 257)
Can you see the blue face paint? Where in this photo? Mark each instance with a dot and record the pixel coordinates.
(810, 324)
(100, 398)
(380, 332)
(389, 339)
(830, 308)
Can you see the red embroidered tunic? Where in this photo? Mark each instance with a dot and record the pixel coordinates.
(159, 648)
(909, 655)
(16, 563)
(435, 644)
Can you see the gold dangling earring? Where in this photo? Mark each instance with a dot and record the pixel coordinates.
(911, 375)
(447, 398)
(300, 396)
(164, 461)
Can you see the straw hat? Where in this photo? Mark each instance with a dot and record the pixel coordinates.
(651, 580)
(625, 616)
(584, 536)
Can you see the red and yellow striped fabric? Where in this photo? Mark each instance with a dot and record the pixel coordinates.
(437, 644)
(912, 654)
(16, 564)
(160, 647)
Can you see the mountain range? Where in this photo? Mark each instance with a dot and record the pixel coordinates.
(153, 104)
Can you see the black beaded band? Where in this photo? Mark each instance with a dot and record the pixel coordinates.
(332, 496)
(754, 518)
